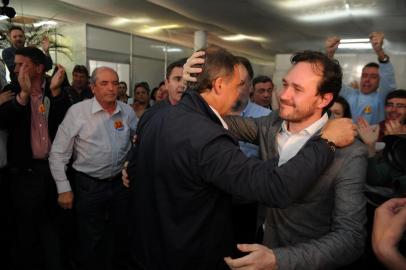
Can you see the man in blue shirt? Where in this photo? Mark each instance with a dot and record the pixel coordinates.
(244, 107)
(377, 80)
(244, 212)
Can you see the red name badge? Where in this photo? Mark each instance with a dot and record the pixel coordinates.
(118, 124)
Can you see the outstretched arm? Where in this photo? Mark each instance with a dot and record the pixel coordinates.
(387, 81)
(389, 226)
(222, 164)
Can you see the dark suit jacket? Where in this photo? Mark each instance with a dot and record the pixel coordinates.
(187, 165)
(17, 120)
(326, 228)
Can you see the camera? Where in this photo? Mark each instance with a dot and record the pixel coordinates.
(7, 11)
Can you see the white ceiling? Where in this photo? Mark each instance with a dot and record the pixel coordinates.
(280, 26)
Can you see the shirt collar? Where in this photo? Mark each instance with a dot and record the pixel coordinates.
(219, 117)
(310, 130)
(246, 109)
(96, 107)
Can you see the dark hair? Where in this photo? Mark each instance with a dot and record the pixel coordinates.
(123, 82)
(80, 69)
(178, 63)
(218, 62)
(247, 64)
(15, 27)
(400, 93)
(153, 93)
(372, 64)
(36, 55)
(346, 107)
(144, 85)
(161, 83)
(261, 79)
(329, 69)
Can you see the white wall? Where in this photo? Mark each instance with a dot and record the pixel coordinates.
(351, 64)
(75, 37)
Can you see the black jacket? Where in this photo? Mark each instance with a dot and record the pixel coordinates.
(187, 166)
(17, 120)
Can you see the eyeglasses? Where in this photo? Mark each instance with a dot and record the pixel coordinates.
(396, 105)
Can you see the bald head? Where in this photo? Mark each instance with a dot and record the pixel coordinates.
(96, 73)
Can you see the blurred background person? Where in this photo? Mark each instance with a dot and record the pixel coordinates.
(340, 108)
(141, 99)
(122, 92)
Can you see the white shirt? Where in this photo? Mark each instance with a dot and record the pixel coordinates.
(219, 117)
(289, 143)
(98, 141)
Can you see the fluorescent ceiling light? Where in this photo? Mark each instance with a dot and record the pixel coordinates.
(153, 29)
(296, 4)
(2, 17)
(333, 15)
(355, 40)
(356, 46)
(241, 37)
(123, 21)
(167, 49)
(47, 23)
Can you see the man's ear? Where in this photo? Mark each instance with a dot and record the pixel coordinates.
(325, 100)
(217, 85)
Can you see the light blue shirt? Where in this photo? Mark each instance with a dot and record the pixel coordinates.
(371, 106)
(98, 141)
(255, 111)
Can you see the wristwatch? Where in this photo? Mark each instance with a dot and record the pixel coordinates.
(384, 60)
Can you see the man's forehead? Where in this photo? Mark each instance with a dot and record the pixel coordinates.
(301, 73)
(16, 32)
(397, 100)
(21, 58)
(176, 72)
(370, 70)
(267, 84)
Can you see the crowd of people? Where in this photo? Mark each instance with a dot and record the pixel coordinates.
(214, 168)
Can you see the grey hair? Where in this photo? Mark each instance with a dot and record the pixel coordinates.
(93, 77)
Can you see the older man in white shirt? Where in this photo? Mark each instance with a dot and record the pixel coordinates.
(97, 132)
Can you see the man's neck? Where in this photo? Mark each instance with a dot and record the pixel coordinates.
(36, 86)
(139, 106)
(109, 107)
(296, 127)
(172, 101)
(213, 102)
(78, 90)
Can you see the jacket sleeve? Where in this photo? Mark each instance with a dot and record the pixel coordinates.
(48, 62)
(10, 112)
(8, 59)
(222, 163)
(345, 242)
(244, 128)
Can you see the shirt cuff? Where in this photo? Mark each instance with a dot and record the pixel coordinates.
(63, 186)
